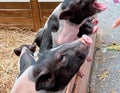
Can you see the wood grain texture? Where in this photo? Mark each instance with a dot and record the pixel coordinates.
(35, 14)
(15, 21)
(32, 13)
(14, 5)
(25, 13)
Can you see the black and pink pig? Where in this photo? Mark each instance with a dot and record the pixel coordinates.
(70, 20)
(54, 70)
(62, 52)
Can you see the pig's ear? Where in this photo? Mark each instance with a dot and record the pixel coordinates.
(17, 51)
(67, 15)
(26, 59)
(32, 47)
(45, 80)
(99, 7)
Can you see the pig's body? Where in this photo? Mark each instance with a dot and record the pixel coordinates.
(55, 68)
(23, 84)
(65, 22)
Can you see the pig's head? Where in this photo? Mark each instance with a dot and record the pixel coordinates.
(57, 66)
(77, 10)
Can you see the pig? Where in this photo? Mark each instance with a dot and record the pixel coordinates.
(55, 68)
(68, 22)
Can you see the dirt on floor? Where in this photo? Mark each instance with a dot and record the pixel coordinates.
(11, 37)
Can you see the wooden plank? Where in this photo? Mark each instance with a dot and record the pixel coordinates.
(71, 85)
(77, 84)
(14, 5)
(29, 0)
(43, 20)
(48, 5)
(50, 0)
(26, 13)
(16, 21)
(82, 84)
(46, 12)
(35, 14)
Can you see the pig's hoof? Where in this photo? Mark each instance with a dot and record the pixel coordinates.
(95, 29)
(95, 21)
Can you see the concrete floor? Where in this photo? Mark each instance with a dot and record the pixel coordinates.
(105, 75)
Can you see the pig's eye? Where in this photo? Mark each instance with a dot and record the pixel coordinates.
(61, 57)
(62, 61)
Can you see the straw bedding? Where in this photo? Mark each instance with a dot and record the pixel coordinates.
(10, 38)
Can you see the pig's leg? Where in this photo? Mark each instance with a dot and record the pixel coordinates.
(89, 27)
(26, 59)
(47, 40)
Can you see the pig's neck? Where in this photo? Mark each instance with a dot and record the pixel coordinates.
(68, 32)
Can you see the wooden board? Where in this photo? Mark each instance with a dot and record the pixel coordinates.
(81, 85)
(28, 13)
(15, 21)
(14, 5)
(35, 14)
(24, 13)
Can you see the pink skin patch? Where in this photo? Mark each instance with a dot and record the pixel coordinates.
(95, 21)
(86, 40)
(80, 73)
(95, 29)
(99, 6)
(89, 59)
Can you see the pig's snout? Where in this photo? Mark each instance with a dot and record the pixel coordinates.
(86, 40)
(99, 6)
(95, 28)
